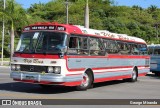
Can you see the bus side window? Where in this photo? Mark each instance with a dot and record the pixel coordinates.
(78, 45)
(150, 50)
(123, 48)
(157, 51)
(135, 50)
(72, 45)
(83, 46)
(72, 42)
(110, 46)
(96, 47)
(143, 49)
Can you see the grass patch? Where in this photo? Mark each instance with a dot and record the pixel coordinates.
(5, 59)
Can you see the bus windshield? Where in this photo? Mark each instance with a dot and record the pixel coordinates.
(41, 42)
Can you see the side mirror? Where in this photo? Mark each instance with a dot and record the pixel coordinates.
(63, 51)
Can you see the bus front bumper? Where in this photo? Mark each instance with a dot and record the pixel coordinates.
(53, 79)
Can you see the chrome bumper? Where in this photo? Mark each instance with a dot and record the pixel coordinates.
(44, 77)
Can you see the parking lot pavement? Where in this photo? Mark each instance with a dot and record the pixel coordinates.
(146, 87)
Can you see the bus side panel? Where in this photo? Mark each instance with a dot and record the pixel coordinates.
(109, 68)
(155, 64)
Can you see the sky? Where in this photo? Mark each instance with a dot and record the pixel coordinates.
(142, 3)
(27, 3)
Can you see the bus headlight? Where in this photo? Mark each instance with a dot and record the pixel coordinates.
(50, 69)
(13, 67)
(57, 70)
(17, 67)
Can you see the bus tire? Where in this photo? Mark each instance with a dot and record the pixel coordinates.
(157, 74)
(134, 75)
(86, 82)
(45, 86)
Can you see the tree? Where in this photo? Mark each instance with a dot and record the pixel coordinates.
(134, 21)
(152, 8)
(14, 14)
(137, 7)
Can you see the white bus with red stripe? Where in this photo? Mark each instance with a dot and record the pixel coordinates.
(71, 55)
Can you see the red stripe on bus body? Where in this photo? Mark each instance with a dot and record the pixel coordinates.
(48, 56)
(98, 72)
(75, 83)
(114, 71)
(112, 56)
(143, 74)
(116, 77)
(128, 56)
(111, 78)
(102, 68)
(114, 67)
(85, 56)
(41, 56)
(73, 74)
(74, 70)
(111, 71)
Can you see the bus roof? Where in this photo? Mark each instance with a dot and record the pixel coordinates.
(153, 45)
(77, 29)
(108, 34)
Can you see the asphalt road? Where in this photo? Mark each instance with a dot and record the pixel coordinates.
(146, 87)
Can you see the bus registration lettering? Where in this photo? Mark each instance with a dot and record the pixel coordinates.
(33, 61)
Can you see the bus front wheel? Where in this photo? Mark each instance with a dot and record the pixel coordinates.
(45, 86)
(86, 82)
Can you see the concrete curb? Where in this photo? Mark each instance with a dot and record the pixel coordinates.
(4, 66)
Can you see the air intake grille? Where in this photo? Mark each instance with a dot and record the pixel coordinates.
(32, 68)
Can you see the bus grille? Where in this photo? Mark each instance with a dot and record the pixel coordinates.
(31, 68)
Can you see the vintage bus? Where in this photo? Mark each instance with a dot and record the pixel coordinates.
(154, 52)
(71, 55)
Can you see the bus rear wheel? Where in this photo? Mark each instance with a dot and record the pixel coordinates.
(134, 76)
(86, 82)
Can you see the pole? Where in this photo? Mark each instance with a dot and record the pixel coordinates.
(86, 15)
(3, 32)
(67, 3)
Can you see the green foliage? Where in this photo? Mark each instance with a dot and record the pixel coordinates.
(13, 15)
(6, 44)
(104, 14)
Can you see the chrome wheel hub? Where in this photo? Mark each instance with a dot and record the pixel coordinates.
(85, 80)
(134, 74)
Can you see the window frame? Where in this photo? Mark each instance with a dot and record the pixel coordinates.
(101, 51)
(77, 36)
(88, 45)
